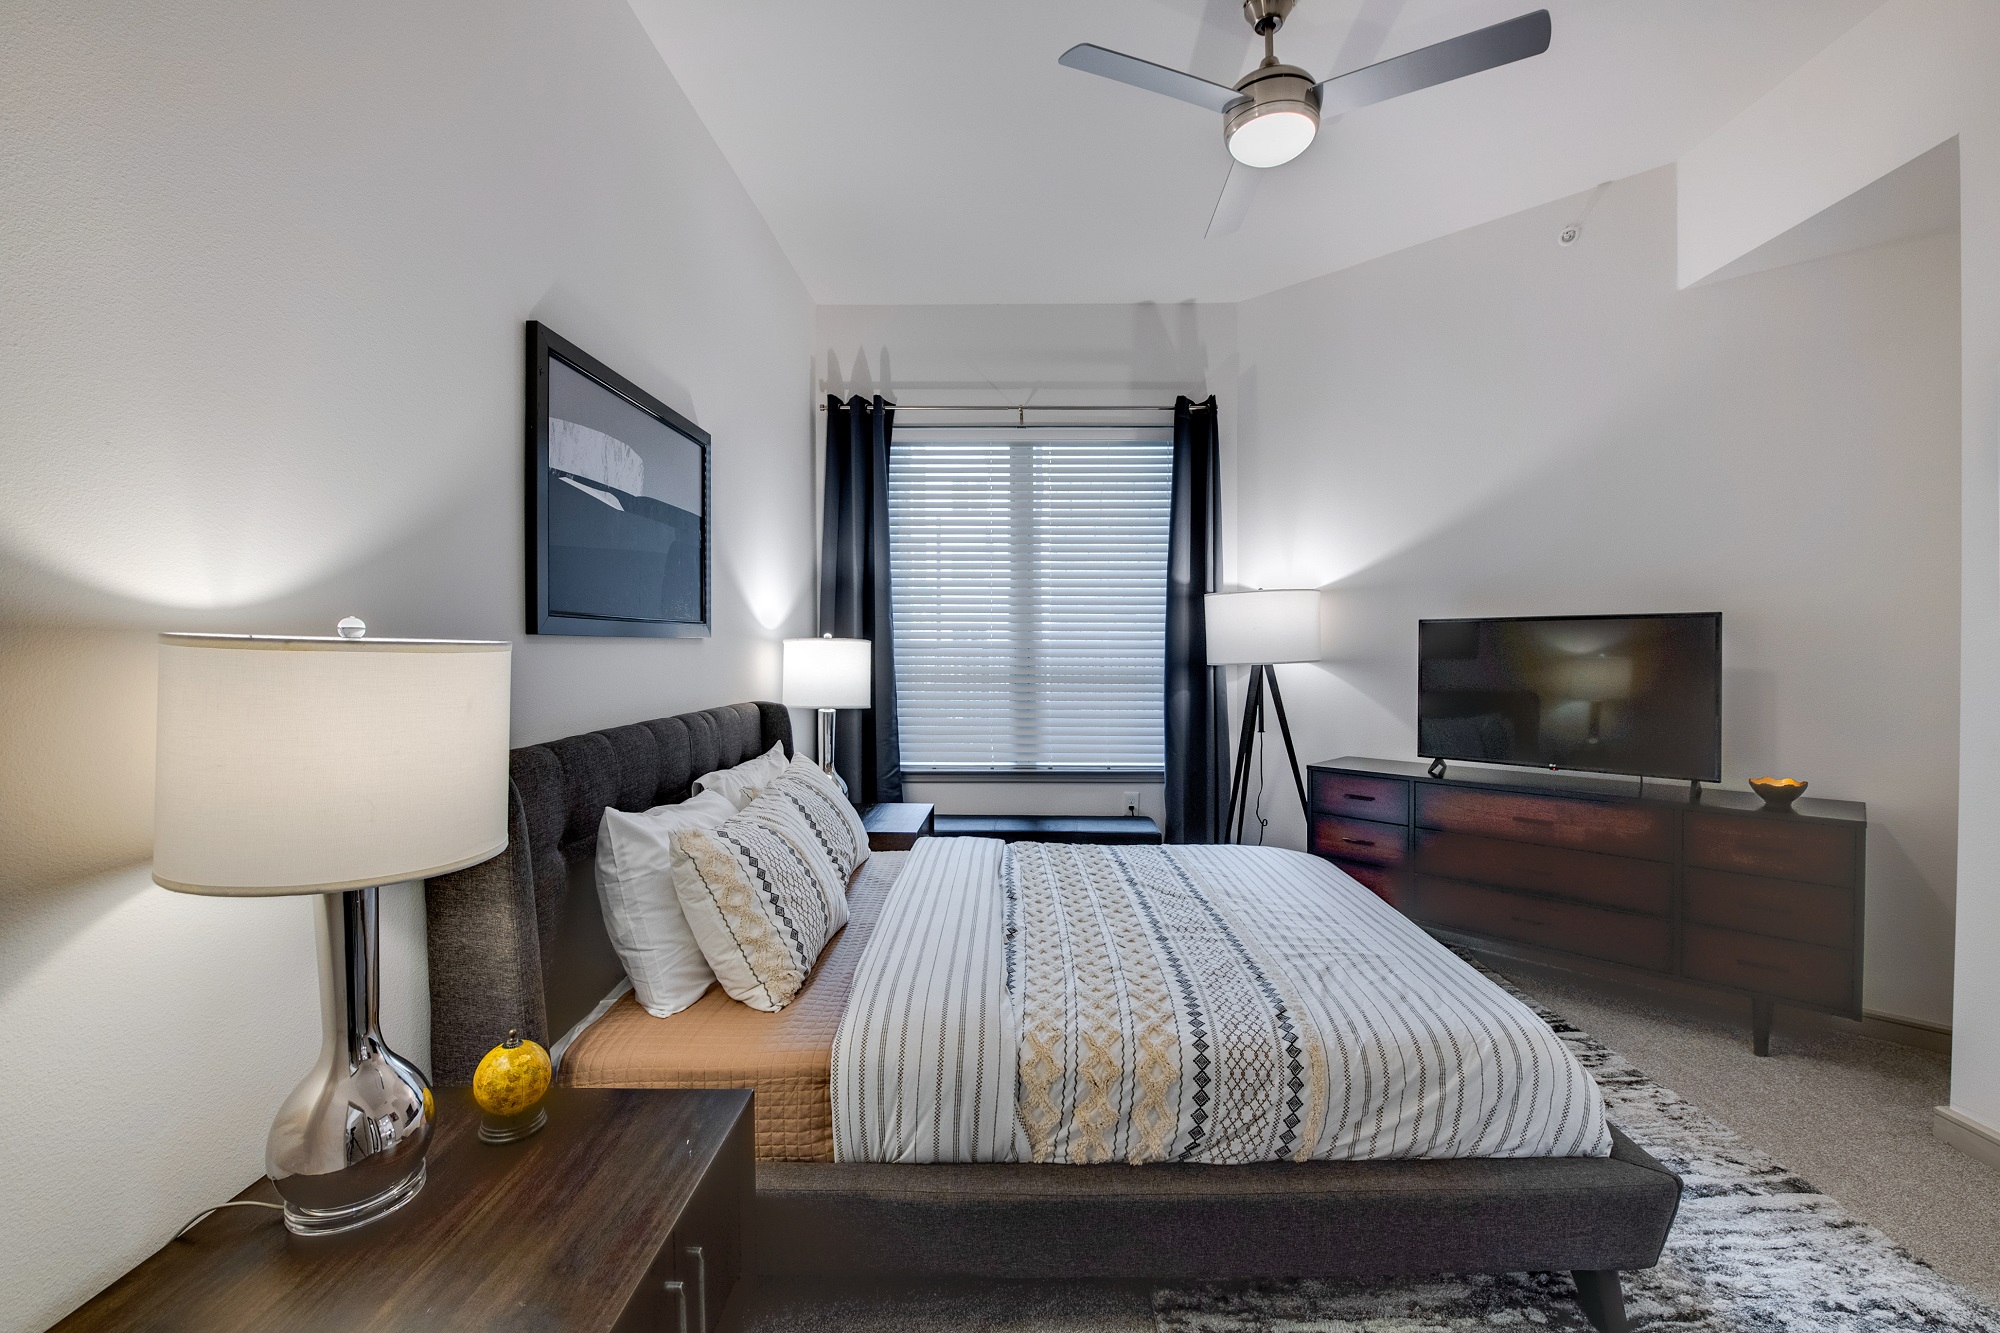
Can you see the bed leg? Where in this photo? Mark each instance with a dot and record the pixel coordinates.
(1602, 1299)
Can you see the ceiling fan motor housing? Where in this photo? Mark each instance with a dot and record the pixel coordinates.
(1277, 95)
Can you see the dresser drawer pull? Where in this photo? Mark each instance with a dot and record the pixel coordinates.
(1357, 796)
(678, 1290)
(1360, 842)
(1539, 823)
(700, 1288)
(1763, 967)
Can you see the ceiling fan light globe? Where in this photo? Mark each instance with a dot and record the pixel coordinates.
(1272, 136)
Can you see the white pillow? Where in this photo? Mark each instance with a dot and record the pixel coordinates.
(742, 783)
(762, 897)
(642, 913)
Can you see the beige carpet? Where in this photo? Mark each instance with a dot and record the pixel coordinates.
(1850, 1114)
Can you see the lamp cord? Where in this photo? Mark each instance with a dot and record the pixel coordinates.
(1257, 811)
(205, 1213)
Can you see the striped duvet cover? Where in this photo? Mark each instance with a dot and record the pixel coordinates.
(1056, 1003)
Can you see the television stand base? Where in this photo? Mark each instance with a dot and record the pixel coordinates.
(1436, 769)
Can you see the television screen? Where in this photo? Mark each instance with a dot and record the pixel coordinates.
(1605, 694)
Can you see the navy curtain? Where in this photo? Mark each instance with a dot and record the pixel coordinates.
(854, 589)
(1197, 705)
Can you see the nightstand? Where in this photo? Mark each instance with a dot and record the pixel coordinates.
(586, 1226)
(895, 826)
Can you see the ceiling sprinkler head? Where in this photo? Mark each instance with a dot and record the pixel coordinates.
(1569, 234)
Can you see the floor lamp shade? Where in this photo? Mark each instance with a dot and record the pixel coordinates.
(315, 765)
(331, 767)
(1261, 628)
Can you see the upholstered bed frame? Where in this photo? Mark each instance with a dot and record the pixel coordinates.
(518, 943)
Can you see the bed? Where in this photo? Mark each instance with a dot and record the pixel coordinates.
(517, 942)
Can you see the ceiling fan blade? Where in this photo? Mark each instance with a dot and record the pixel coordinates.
(1153, 78)
(1428, 66)
(1232, 206)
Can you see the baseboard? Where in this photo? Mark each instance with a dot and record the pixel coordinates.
(1969, 1136)
(1905, 1031)
(1692, 996)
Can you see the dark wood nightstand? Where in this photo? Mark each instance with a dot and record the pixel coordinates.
(583, 1226)
(895, 826)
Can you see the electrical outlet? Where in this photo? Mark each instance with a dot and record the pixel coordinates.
(1131, 802)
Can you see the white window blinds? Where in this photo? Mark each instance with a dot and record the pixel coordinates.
(1029, 579)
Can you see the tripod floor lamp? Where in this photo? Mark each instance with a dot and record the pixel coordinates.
(1259, 630)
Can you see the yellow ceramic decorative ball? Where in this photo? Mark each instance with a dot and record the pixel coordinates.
(511, 1078)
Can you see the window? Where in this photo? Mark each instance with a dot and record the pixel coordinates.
(1029, 579)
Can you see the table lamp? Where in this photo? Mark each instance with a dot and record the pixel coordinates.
(330, 767)
(1258, 630)
(827, 674)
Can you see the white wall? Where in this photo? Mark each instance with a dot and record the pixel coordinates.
(1912, 74)
(1491, 424)
(985, 354)
(265, 270)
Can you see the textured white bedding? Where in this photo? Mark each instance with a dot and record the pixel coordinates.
(1060, 1003)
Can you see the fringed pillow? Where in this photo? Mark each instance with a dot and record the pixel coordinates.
(762, 897)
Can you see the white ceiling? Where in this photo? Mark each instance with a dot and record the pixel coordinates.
(930, 152)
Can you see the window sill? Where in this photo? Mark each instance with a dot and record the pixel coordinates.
(1034, 775)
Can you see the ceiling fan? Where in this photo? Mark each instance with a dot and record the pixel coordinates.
(1273, 112)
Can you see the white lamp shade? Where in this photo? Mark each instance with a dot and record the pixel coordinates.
(829, 673)
(313, 765)
(1249, 628)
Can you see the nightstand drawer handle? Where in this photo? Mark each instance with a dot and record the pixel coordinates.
(700, 1289)
(1357, 796)
(1360, 842)
(678, 1291)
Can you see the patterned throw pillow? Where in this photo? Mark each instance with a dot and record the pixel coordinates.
(826, 809)
(762, 897)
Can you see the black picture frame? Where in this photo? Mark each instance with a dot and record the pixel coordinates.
(579, 589)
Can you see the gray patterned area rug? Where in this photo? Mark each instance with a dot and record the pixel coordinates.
(1756, 1249)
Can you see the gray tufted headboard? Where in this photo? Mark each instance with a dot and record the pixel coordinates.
(518, 941)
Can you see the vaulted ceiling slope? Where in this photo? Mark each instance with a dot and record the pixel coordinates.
(918, 152)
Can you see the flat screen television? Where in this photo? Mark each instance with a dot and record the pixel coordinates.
(1639, 695)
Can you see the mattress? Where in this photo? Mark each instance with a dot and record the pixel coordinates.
(1220, 1005)
(716, 1042)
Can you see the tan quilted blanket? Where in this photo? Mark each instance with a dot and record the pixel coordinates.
(717, 1043)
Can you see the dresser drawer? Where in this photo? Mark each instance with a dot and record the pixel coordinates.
(1621, 830)
(1809, 913)
(1591, 877)
(1771, 847)
(1359, 840)
(1384, 800)
(1617, 937)
(1781, 968)
(1378, 880)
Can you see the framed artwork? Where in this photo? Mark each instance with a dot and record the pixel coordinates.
(618, 535)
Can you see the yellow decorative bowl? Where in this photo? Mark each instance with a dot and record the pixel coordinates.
(1778, 793)
(509, 1085)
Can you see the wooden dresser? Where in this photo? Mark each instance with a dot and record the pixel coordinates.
(1717, 891)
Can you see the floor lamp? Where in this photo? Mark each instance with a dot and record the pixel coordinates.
(1259, 630)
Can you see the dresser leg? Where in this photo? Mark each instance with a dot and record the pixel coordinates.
(1760, 1025)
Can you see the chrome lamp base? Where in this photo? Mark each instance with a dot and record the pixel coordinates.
(349, 1144)
(826, 737)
